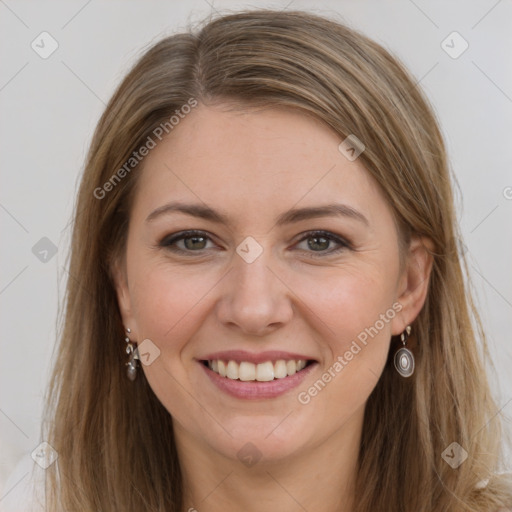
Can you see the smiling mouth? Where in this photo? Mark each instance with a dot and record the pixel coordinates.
(263, 372)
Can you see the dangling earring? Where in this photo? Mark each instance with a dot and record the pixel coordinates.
(131, 349)
(404, 358)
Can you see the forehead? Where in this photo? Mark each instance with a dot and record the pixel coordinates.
(253, 162)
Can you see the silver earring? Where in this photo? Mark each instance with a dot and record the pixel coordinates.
(404, 358)
(131, 350)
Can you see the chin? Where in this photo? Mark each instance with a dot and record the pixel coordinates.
(267, 438)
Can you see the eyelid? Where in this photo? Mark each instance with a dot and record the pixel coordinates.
(170, 240)
(343, 242)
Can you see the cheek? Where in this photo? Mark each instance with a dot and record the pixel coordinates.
(358, 311)
(355, 307)
(166, 301)
(350, 300)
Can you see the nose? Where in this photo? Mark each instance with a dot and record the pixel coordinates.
(255, 299)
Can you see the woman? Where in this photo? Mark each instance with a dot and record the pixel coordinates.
(270, 310)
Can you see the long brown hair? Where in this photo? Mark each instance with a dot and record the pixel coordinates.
(114, 438)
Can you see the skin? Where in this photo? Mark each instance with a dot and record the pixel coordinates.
(252, 166)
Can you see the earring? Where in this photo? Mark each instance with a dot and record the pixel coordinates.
(131, 350)
(404, 358)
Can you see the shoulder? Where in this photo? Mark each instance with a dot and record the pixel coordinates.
(23, 490)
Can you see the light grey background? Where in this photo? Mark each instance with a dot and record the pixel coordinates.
(49, 108)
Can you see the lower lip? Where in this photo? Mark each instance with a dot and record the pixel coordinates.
(258, 390)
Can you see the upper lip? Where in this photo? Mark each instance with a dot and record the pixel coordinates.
(261, 357)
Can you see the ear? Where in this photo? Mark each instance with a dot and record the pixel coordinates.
(413, 282)
(120, 280)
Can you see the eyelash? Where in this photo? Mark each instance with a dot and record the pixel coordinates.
(169, 241)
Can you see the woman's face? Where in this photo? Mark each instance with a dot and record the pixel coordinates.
(294, 260)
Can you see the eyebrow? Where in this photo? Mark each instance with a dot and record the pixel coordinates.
(289, 217)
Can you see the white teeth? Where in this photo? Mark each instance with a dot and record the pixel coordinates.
(291, 367)
(232, 370)
(262, 372)
(246, 371)
(280, 369)
(265, 371)
(221, 368)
